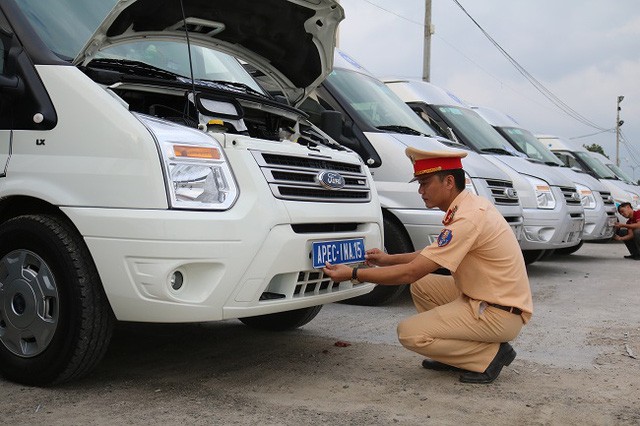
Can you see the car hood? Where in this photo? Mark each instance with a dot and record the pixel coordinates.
(541, 171)
(474, 164)
(290, 40)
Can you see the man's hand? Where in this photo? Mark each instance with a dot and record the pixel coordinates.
(338, 273)
(377, 257)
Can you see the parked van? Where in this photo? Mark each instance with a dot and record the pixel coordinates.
(620, 174)
(379, 126)
(552, 210)
(146, 181)
(576, 156)
(599, 207)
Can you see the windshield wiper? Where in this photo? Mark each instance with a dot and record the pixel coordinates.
(127, 66)
(553, 164)
(237, 85)
(402, 129)
(496, 151)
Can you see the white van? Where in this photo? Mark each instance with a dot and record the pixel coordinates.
(576, 156)
(146, 181)
(620, 174)
(379, 126)
(552, 210)
(599, 207)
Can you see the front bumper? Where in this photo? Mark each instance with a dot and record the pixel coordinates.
(228, 260)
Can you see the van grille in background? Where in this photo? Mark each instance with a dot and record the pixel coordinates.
(503, 192)
(571, 196)
(607, 199)
(292, 177)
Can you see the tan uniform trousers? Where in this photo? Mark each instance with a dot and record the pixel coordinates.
(453, 329)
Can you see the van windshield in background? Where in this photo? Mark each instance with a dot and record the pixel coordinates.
(601, 171)
(524, 141)
(173, 56)
(65, 25)
(620, 173)
(375, 103)
(474, 129)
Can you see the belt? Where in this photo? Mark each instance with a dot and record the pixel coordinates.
(511, 309)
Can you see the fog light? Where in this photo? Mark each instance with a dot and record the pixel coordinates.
(177, 280)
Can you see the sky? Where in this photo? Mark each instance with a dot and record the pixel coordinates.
(586, 52)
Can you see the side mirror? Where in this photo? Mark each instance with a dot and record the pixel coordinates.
(331, 124)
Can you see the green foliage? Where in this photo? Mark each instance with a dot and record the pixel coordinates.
(594, 147)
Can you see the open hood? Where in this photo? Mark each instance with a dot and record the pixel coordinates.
(292, 41)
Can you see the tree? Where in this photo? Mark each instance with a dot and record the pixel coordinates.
(594, 147)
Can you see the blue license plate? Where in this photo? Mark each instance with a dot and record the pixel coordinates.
(336, 252)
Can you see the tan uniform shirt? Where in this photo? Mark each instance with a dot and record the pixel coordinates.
(479, 248)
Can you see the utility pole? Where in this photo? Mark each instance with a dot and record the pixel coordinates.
(426, 53)
(618, 124)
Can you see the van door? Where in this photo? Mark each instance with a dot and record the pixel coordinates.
(5, 102)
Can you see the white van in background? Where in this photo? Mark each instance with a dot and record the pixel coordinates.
(379, 126)
(599, 207)
(552, 210)
(576, 156)
(148, 181)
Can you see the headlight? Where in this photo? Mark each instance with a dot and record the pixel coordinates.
(468, 184)
(635, 200)
(544, 196)
(199, 176)
(587, 197)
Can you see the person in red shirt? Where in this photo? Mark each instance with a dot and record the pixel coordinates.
(629, 232)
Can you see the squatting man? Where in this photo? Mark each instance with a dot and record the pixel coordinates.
(465, 320)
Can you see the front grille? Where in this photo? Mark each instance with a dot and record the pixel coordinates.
(607, 199)
(303, 284)
(323, 228)
(571, 196)
(502, 192)
(295, 178)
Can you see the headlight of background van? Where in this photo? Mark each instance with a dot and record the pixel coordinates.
(468, 184)
(586, 197)
(198, 176)
(544, 196)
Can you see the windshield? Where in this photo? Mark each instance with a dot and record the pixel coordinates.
(173, 56)
(375, 103)
(602, 171)
(620, 173)
(65, 25)
(474, 129)
(525, 142)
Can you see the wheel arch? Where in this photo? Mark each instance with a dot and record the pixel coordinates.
(386, 214)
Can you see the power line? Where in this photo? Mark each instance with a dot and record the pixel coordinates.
(421, 24)
(539, 86)
(612, 130)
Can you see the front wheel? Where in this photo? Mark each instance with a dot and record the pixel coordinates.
(395, 241)
(569, 250)
(531, 256)
(55, 321)
(282, 320)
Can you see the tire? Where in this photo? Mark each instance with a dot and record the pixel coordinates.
(569, 250)
(282, 320)
(531, 256)
(395, 241)
(55, 321)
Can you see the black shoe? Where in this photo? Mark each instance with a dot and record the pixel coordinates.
(430, 364)
(505, 355)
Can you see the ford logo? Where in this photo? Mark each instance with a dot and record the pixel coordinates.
(331, 180)
(511, 193)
